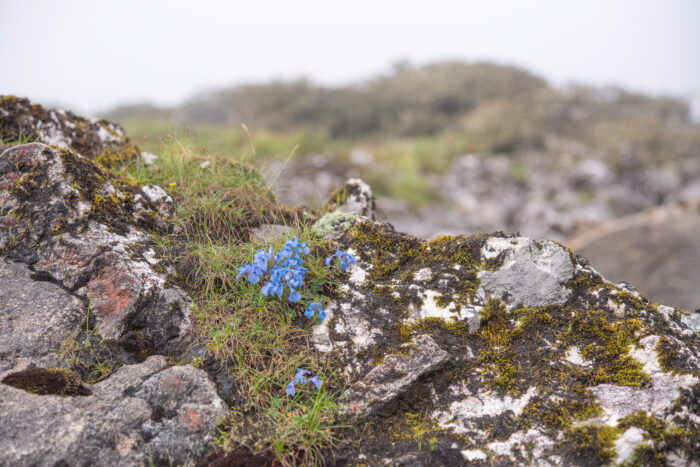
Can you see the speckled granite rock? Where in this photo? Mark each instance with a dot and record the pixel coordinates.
(144, 413)
(65, 218)
(78, 271)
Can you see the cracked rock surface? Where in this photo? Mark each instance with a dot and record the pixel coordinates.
(142, 413)
(78, 268)
(504, 350)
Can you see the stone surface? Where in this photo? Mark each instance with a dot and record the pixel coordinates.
(78, 280)
(24, 303)
(533, 273)
(99, 140)
(658, 251)
(394, 376)
(66, 219)
(270, 233)
(504, 350)
(141, 414)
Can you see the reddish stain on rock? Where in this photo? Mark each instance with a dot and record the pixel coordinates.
(192, 420)
(113, 295)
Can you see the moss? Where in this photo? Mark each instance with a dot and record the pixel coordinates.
(606, 340)
(431, 326)
(559, 414)
(591, 444)
(58, 381)
(661, 438)
(585, 282)
(671, 359)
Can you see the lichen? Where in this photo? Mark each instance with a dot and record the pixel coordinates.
(333, 220)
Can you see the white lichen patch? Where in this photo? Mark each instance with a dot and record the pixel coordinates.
(627, 443)
(573, 355)
(620, 401)
(460, 414)
(472, 455)
(357, 274)
(423, 275)
(530, 443)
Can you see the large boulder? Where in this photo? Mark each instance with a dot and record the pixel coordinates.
(504, 350)
(99, 140)
(74, 226)
(143, 414)
(658, 251)
(84, 294)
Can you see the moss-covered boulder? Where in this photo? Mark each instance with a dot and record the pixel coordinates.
(98, 140)
(87, 317)
(504, 350)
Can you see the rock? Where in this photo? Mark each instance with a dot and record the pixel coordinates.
(355, 197)
(143, 413)
(533, 272)
(392, 377)
(504, 350)
(658, 251)
(65, 219)
(98, 140)
(267, 234)
(76, 268)
(24, 303)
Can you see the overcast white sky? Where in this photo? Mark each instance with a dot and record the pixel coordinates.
(91, 55)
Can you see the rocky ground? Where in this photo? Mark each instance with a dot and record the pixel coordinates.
(489, 349)
(563, 192)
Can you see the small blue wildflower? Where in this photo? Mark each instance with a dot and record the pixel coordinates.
(317, 381)
(291, 390)
(294, 296)
(311, 311)
(272, 288)
(346, 259)
(300, 378)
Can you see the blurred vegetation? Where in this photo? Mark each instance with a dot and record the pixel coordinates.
(415, 120)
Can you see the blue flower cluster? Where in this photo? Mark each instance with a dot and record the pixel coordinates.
(346, 259)
(300, 378)
(312, 309)
(288, 271)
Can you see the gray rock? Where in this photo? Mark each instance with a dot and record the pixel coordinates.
(394, 376)
(533, 273)
(546, 358)
(143, 413)
(73, 223)
(35, 317)
(270, 233)
(356, 198)
(98, 140)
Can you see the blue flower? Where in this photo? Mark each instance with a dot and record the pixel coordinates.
(300, 378)
(317, 381)
(311, 311)
(291, 390)
(346, 259)
(272, 288)
(294, 296)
